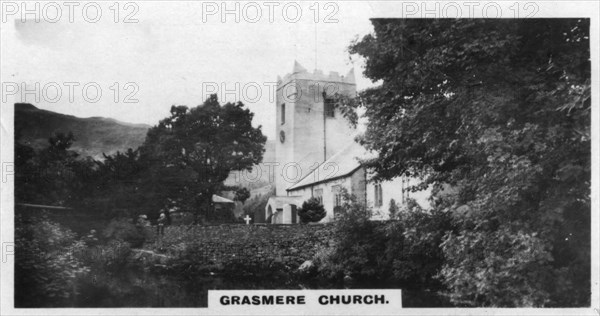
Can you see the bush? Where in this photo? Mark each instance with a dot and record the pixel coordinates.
(482, 286)
(242, 194)
(405, 250)
(46, 268)
(419, 257)
(357, 243)
(124, 230)
(312, 211)
(109, 257)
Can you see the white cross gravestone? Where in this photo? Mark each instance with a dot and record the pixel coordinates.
(247, 219)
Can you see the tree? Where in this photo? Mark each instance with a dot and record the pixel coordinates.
(312, 211)
(122, 184)
(55, 175)
(500, 110)
(201, 146)
(242, 194)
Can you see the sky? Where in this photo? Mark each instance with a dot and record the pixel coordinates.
(174, 53)
(177, 52)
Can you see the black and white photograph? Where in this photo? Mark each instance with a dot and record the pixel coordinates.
(300, 157)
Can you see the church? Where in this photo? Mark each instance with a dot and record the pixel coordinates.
(316, 155)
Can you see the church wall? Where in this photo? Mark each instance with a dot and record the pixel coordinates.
(339, 133)
(310, 136)
(359, 185)
(354, 184)
(393, 190)
(283, 151)
(308, 128)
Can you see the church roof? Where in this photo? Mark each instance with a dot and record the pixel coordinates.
(340, 165)
(220, 199)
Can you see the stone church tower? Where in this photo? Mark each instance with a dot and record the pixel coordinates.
(309, 128)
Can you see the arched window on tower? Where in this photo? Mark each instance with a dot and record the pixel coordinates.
(282, 113)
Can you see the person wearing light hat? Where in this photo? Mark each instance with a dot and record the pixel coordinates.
(142, 220)
(162, 221)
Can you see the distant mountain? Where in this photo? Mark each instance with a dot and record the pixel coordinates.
(93, 135)
(269, 155)
(250, 179)
(97, 135)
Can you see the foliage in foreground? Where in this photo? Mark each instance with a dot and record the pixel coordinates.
(124, 230)
(53, 265)
(46, 266)
(500, 110)
(406, 250)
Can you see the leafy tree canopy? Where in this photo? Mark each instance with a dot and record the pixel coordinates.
(242, 194)
(500, 110)
(201, 145)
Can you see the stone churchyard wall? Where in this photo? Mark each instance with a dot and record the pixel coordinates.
(247, 248)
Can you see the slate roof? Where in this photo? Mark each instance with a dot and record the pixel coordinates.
(220, 199)
(342, 164)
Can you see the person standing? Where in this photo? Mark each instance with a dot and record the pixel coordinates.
(162, 221)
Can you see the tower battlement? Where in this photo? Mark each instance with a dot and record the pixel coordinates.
(300, 73)
(309, 127)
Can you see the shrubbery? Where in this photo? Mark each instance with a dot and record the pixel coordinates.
(46, 266)
(516, 152)
(311, 211)
(111, 256)
(357, 244)
(405, 250)
(124, 230)
(53, 265)
(420, 257)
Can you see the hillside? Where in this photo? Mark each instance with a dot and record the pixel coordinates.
(250, 179)
(94, 135)
(97, 135)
